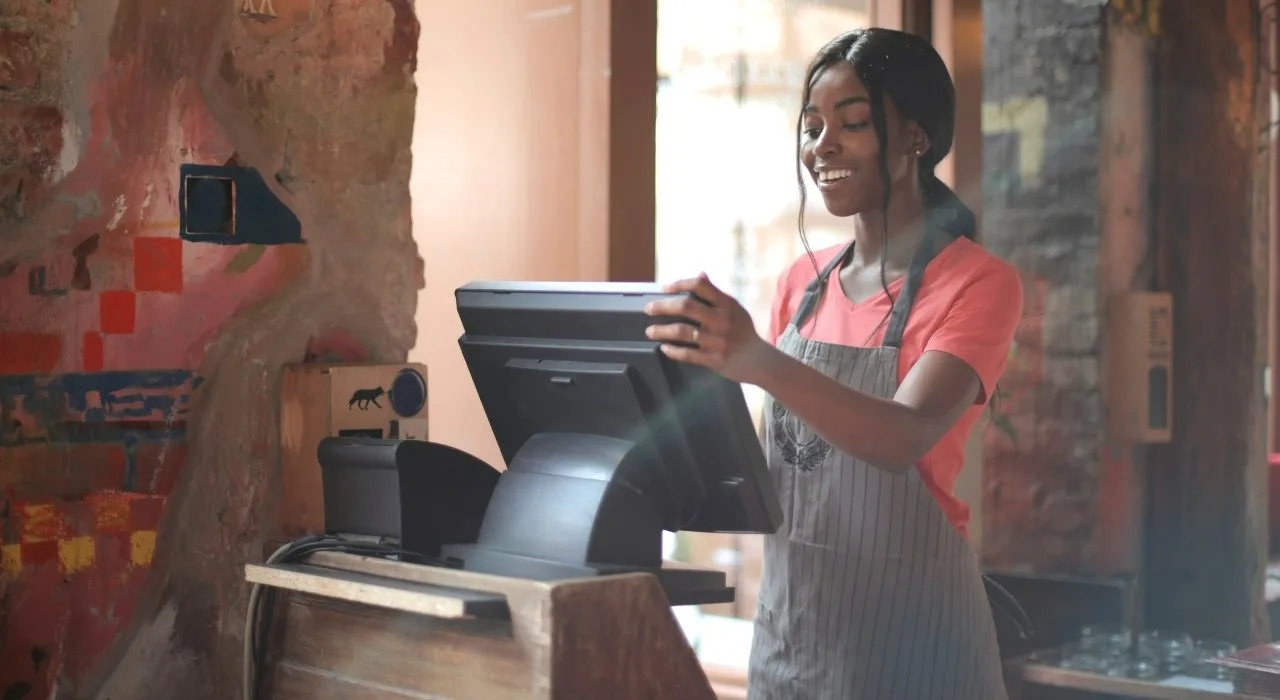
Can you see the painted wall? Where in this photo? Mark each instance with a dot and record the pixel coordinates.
(489, 177)
(541, 169)
(138, 370)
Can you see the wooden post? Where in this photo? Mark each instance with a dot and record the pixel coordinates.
(1205, 548)
(617, 115)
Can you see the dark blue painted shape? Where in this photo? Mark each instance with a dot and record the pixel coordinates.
(232, 205)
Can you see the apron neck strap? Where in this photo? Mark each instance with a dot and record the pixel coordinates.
(928, 250)
(813, 293)
(935, 239)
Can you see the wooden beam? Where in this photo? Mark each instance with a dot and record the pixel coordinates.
(1205, 548)
(918, 16)
(1125, 264)
(956, 31)
(633, 118)
(1271, 33)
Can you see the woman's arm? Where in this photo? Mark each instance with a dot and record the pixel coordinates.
(892, 434)
(961, 360)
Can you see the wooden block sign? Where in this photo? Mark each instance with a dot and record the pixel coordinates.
(381, 401)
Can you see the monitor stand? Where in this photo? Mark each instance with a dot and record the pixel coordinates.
(574, 506)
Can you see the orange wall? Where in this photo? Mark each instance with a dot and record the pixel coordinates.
(533, 159)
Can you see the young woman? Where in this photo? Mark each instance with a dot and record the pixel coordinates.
(883, 351)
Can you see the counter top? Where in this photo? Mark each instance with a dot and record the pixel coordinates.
(1040, 669)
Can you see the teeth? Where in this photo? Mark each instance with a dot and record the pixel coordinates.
(829, 175)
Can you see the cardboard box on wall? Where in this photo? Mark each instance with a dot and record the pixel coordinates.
(340, 400)
(1139, 380)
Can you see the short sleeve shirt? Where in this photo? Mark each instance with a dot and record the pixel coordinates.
(968, 306)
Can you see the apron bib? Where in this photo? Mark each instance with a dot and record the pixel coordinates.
(868, 591)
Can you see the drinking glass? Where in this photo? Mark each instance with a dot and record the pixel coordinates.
(1205, 651)
(1101, 650)
(1170, 651)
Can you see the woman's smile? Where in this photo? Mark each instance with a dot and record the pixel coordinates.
(831, 179)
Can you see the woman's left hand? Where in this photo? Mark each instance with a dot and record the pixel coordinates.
(725, 339)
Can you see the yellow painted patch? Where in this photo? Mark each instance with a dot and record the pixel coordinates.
(1027, 117)
(142, 547)
(10, 560)
(40, 523)
(76, 554)
(111, 512)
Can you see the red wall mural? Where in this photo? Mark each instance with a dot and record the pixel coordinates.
(139, 360)
(100, 336)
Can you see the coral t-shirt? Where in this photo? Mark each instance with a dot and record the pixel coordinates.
(969, 305)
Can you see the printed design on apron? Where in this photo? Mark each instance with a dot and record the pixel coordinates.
(805, 455)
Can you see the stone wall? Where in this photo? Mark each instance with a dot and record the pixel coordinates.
(1042, 116)
(138, 368)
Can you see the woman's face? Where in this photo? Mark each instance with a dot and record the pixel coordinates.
(839, 147)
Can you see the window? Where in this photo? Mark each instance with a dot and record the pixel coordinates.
(727, 202)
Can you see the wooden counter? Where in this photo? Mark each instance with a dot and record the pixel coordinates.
(1041, 671)
(358, 628)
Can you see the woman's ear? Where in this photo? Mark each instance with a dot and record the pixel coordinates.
(917, 140)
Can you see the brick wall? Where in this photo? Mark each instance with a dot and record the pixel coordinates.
(1042, 104)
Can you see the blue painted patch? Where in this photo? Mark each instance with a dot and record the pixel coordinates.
(95, 407)
(232, 205)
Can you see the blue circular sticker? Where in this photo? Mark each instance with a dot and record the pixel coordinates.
(408, 393)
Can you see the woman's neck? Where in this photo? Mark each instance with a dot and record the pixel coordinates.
(906, 227)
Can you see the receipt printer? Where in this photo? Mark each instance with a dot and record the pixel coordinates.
(420, 494)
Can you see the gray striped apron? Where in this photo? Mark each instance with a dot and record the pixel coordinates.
(868, 591)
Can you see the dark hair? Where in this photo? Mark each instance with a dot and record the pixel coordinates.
(906, 69)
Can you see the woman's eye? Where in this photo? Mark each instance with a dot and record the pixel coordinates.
(856, 127)
(812, 133)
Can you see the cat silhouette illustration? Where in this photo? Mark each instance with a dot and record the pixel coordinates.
(363, 397)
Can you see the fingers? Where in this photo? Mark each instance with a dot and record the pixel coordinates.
(684, 333)
(692, 356)
(683, 307)
(700, 285)
(673, 332)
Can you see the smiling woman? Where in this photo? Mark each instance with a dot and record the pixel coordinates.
(880, 354)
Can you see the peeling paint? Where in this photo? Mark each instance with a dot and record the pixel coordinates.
(120, 209)
(69, 157)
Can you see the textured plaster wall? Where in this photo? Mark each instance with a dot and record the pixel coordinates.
(139, 371)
